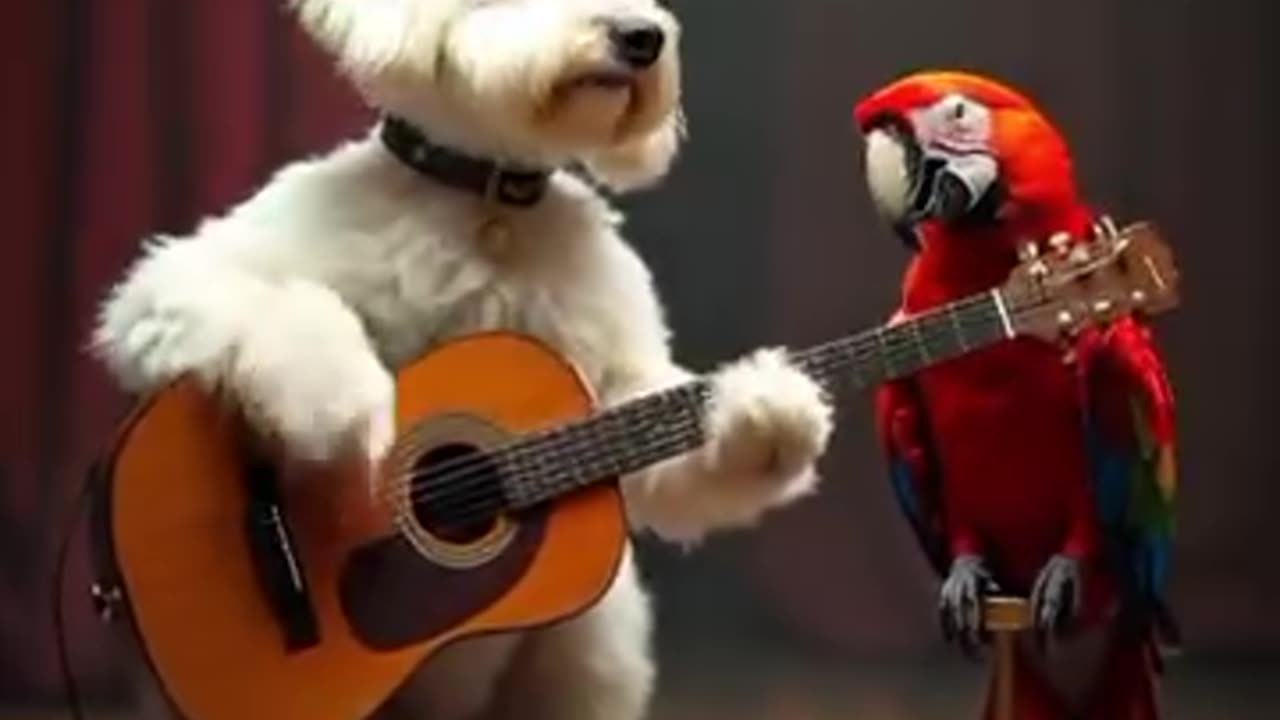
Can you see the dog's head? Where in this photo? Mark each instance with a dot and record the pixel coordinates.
(547, 81)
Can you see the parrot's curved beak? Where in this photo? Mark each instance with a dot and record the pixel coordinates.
(913, 176)
(951, 186)
(893, 165)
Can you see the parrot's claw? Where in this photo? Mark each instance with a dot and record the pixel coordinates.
(960, 602)
(1055, 598)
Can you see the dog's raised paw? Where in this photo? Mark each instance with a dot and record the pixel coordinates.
(767, 418)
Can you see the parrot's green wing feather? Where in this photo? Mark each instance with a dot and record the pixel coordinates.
(1130, 429)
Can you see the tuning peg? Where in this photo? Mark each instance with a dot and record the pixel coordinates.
(1028, 251)
(1138, 297)
(1069, 357)
(1079, 254)
(1109, 229)
(1060, 242)
(1102, 307)
(1065, 320)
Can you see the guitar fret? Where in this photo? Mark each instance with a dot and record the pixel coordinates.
(624, 452)
(596, 458)
(659, 450)
(862, 354)
(627, 451)
(886, 356)
(987, 325)
(612, 461)
(902, 348)
(920, 343)
(857, 379)
(617, 441)
(511, 467)
(631, 436)
(832, 355)
(950, 309)
(549, 473)
(939, 337)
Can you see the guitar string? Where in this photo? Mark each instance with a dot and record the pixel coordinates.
(465, 498)
(463, 486)
(469, 500)
(457, 488)
(578, 435)
(461, 493)
(468, 496)
(859, 347)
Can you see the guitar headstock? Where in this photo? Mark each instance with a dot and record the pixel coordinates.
(1073, 285)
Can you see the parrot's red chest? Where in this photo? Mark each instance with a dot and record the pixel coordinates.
(1008, 434)
(1007, 421)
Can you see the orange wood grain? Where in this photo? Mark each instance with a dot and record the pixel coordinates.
(178, 516)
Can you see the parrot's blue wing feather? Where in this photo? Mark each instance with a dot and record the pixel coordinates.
(916, 485)
(906, 488)
(1129, 430)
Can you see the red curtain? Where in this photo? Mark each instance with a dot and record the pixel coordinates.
(121, 118)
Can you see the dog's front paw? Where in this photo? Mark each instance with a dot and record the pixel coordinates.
(767, 420)
(306, 374)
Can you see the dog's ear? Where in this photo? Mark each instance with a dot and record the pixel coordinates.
(642, 161)
(370, 36)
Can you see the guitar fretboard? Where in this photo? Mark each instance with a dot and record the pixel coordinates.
(634, 435)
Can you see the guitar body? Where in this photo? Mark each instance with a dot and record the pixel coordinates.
(188, 509)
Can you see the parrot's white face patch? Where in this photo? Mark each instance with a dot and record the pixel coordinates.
(955, 123)
(888, 174)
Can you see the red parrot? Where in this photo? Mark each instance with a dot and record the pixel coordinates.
(1021, 468)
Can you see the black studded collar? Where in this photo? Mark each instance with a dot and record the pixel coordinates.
(493, 180)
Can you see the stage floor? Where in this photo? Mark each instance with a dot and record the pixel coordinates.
(937, 691)
(700, 689)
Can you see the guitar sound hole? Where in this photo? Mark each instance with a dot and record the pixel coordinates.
(457, 493)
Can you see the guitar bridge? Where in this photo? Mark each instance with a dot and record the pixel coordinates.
(276, 559)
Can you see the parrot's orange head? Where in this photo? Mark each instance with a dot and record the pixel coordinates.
(954, 149)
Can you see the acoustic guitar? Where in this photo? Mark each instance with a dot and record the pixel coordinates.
(257, 597)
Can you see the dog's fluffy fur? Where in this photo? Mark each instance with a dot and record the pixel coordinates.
(301, 302)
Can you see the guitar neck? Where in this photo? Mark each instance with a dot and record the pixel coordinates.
(639, 433)
(897, 351)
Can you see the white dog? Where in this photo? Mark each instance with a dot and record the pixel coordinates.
(456, 214)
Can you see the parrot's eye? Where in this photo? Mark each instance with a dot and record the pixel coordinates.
(955, 122)
(958, 107)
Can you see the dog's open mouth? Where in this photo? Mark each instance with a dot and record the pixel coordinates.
(601, 79)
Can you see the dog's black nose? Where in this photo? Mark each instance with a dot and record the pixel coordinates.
(638, 43)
